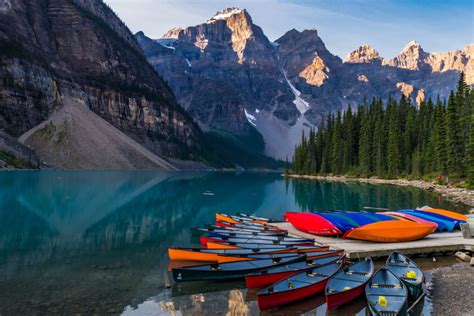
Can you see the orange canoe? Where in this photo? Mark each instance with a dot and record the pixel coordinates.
(390, 231)
(235, 219)
(451, 214)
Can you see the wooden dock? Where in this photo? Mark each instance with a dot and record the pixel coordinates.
(434, 243)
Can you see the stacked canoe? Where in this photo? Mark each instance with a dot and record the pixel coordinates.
(287, 269)
(393, 226)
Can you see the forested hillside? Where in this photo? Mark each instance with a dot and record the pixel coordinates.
(396, 139)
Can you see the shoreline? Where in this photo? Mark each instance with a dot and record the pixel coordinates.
(455, 194)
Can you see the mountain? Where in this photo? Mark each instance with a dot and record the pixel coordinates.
(229, 76)
(76, 87)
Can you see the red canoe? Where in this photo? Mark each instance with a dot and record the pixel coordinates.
(349, 283)
(312, 223)
(297, 287)
(273, 275)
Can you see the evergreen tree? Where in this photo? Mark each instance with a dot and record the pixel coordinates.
(454, 139)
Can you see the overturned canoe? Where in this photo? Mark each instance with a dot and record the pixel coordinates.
(443, 224)
(217, 255)
(256, 218)
(248, 226)
(451, 214)
(297, 287)
(408, 272)
(230, 270)
(235, 219)
(269, 276)
(312, 224)
(412, 218)
(390, 231)
(386, 294)
(349, 283)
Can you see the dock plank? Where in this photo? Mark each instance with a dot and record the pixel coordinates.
(437, 242)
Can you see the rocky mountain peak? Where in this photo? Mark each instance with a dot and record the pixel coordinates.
(363, 54)
(172, 33)
(412, 57)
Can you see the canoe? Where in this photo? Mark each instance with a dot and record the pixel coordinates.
(225, 236)
(386, 294)
(390, 231)
(312, 224)
(204, 240)
(451, 214)
(223, 245)
(407, 271)
(254, 217)
(215, 228)
(341, 222)
(230, 270)
(443, 225)
(248, 226)
(234, 219)
(217, 255)
(412, 218)
(349, 283)
(364, 218)
(442, 217)
(297, 287)
(269, 276)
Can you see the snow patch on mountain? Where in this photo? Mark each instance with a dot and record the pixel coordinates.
(167, 42)
(252, 119)
(222, 15)
(299, 102)
(188, 62)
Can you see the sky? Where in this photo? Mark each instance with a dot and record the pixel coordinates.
(343, 25)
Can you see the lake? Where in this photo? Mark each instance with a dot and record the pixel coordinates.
(96, 242)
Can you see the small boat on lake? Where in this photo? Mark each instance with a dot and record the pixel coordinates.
(312, 224)
(386, 294)
(230, 270)
(297, 287)
(269, 276)
(349, 283)
(390, 231)
(204, 240)
(408, 271)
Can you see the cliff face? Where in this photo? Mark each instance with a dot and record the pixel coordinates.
(55, 51)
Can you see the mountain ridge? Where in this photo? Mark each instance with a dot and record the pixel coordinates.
(303, 80)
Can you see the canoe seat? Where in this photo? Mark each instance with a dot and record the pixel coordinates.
(313, 274)
(358, 273)
(388, 313)
(385, 286)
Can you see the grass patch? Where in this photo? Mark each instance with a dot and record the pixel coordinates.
(14, 161)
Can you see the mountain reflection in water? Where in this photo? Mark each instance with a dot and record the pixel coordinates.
(96, 242)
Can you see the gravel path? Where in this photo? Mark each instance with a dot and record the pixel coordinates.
(452, 291)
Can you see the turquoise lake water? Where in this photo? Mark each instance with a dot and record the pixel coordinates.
(96, 242)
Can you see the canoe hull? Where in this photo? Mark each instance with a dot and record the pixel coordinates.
(390, 231)
(335, 300)
(312, 224)
(189, 274)
(269, 301)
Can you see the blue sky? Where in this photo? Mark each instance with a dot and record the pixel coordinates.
(387, 25)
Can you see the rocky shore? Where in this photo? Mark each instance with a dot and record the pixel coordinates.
(451, 290)
(460, 195)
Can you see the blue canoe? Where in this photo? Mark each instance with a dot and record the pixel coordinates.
(342, 224)
(457, 222)
(443, 225)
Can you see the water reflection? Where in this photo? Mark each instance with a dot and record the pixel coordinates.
(96, 242)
